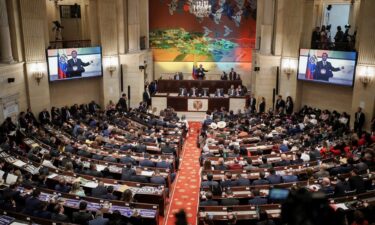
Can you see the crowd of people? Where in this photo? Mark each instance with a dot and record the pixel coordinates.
(76, 137)
(343, 41)
(344, 159)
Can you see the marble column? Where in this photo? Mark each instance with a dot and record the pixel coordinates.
(5, 43)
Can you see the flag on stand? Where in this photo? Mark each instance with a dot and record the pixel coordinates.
(310, 68)
(194, 73)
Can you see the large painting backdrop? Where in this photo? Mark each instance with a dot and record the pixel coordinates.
(227, 35)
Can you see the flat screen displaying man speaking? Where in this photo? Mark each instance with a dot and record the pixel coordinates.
(325, 66)
(74, 63)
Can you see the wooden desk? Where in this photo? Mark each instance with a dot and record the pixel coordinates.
(174, 85)
(181, 103)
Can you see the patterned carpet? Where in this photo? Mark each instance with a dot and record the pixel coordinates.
(185, 193)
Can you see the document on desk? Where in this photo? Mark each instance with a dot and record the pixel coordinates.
(173, 94)
(100, 167)
(11, 179)
(19, 163)
(91, 184)
(51, 176)
(273, 211)
(147, 173)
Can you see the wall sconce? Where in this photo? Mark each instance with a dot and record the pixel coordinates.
(287, 67)
(143, 67)
(37, 72)
(366, 75)
(112, 65)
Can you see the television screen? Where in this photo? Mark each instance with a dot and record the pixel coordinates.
(74, 63)
(326, 66)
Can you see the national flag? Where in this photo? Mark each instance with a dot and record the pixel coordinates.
(310, 68)
(194, 72)
(62, 65)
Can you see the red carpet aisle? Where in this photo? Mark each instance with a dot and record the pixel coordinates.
(185, 194)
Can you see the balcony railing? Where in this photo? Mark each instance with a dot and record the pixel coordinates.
(70, 44)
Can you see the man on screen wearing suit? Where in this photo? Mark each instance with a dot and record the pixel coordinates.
(324, 69)
(75, 65)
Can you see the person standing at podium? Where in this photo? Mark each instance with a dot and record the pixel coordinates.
(178, 76)
(232, 74)
(201, 72)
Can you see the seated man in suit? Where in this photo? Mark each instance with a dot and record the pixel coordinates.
(261, 180)
(58, 214)
(229, 199)
(243, 180)
(182, 92)
(273, 178)
(240, 91)
(109, 195)
(208, 201)
(138, 177)
(228, 181)
(257, 199)
(99, 191)
(146, 162)
(99, 219)
(232, 91)
(205, 92)
(32, 203)
(209, 182)
(219, 92)
(157, 178)
(289, 178)
(194, 92)
(82, 216)
(127, 172)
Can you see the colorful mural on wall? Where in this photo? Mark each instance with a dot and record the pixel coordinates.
(227, 35)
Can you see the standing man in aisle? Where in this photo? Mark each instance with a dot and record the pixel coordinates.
(122, 105)
(359, 121)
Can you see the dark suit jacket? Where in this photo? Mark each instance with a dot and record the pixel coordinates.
(59, 217)
(260, 182)
(157, 180)
(359, 120)
(31, 204)
(81, 217)
(262, 107)
(127, 174)
(208, 202)
(274, 179)
(146, 163)
(98, 191)
(79, 70)
(257, 200)
(139, 179)
(99, 221)
(229, 202)
(44, 117)
(252, 104)
(122, 104)
(280, 103)
(232, 75)
(357, 182)
(324, 72)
